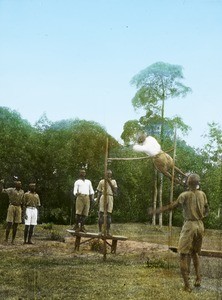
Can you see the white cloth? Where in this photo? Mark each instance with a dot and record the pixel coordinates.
(83, 187)
(150, 146)
(32, 215)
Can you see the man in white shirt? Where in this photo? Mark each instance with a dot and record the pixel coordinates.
(84, 192)
(162, 161)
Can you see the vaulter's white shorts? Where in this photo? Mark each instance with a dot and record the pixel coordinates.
(32, 215)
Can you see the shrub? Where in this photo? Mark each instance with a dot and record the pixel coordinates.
(47, 226)
(56, 236)
(97, 246)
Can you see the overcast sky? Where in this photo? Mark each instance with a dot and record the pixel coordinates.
(75, 59)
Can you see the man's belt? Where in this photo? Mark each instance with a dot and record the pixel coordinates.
(158, 154)
(15, 204)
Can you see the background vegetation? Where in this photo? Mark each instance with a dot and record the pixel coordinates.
(52, 153)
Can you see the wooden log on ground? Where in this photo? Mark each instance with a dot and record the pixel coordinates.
(204, 252)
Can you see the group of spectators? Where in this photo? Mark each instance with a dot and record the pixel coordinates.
(23, 206)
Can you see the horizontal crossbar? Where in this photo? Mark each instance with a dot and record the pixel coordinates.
(204, 252)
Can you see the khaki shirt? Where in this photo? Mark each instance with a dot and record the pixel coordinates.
(15, 196)
(194, 204)
(31, 199)
(101, 187)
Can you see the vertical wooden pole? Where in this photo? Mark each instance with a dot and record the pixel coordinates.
(155, 197)
(105, 200)
(172, 189)
(161, 198)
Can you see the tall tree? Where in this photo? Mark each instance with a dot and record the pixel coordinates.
(157, 83)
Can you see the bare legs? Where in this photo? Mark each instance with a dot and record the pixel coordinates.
(184, 269)
(14, 227)
(28, 232)
(185, 262)
(80, 223)
(101, 222)
(196, 263)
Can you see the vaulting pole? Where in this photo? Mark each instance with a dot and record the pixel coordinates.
(172, 187)
(105, 200)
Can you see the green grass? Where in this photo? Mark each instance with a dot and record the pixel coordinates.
(51, 269)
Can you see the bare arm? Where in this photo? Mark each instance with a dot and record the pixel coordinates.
(164, 208)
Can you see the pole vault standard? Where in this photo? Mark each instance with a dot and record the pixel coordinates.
(172, 189)
(105, 201)
(172, 182)
(204, 252)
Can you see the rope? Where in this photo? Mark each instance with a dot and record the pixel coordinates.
(128, 158)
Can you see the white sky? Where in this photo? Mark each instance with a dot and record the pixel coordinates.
(75, 59)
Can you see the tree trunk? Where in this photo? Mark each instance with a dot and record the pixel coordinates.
(155, 198)
(218, 212)
(161, 199)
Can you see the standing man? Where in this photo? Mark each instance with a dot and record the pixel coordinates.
(14, 214)
(30, 211)
(111, 190)
(84, 193)
(195, 209)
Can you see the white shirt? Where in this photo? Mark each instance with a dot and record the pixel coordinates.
(83, 187)
(150, 146)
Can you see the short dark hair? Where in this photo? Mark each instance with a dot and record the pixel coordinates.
(193, 180)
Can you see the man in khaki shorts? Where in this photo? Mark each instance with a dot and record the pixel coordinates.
(195, 209)
(111, 191)
(84, 193)
(14, 214)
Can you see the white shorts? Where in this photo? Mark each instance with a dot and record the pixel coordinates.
(32, 215)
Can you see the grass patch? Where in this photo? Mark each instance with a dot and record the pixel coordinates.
(51, 269)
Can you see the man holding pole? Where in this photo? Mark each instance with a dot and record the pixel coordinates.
(111, 190)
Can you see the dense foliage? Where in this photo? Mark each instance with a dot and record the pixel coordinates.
(52, 153)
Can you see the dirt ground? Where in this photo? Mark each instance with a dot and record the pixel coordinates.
(140, 252)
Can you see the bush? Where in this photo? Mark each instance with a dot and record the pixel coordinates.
(157, 263)
(56, 236)
(213, 221)
(97, 246)
(47, 226)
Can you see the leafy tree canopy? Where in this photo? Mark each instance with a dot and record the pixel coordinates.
(159, 81)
